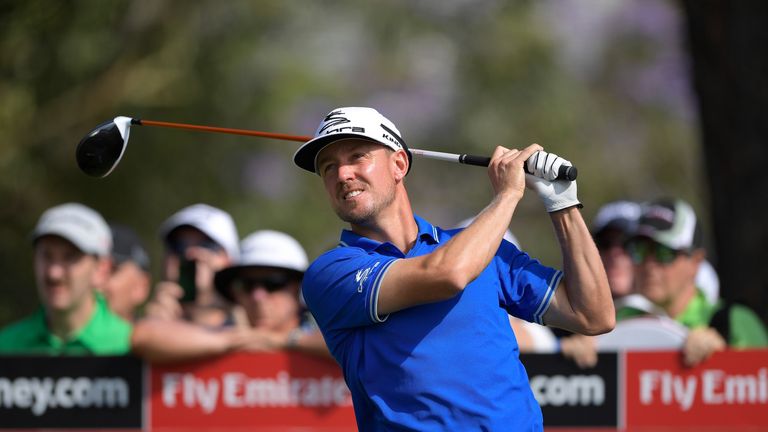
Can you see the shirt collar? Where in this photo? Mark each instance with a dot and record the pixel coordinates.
(427, 231)
(85, 336)
(697, 312)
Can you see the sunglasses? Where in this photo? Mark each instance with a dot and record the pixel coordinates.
(639, 250)
(271, 283)
(179, 247)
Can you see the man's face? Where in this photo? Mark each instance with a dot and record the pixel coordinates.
(618, 265)
(662, 274)
(359, 177)
(65, 276)
(126, 289)
(269, 297)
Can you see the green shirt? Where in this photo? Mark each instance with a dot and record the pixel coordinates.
(104, 334)
(746, 329)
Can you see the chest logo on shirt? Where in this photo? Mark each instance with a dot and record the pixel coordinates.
(362, 276)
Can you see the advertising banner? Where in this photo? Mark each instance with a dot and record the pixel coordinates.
(570, 396)
(729, 390)
(70, 392)
(283, 391)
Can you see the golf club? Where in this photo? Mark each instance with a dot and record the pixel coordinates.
(99, 152)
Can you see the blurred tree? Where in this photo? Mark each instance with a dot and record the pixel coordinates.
(729, 75)
(597, 84)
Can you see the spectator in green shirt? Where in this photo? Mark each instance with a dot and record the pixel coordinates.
(72, 245)
(667, 250)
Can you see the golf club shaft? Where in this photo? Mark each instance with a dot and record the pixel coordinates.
(565, 172)
(271, 135)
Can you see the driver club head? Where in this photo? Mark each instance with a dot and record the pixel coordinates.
(99, 152)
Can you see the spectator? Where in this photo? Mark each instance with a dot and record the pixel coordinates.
(613, 225)
(417, 316)
(129, 285)
(265, 282)
(667, 251)
(72, 245)
(199, 241)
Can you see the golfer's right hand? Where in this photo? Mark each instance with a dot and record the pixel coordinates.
(506, 170)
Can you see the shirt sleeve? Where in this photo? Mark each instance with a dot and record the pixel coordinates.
(526, 286)
(747, 331)
(341, 288)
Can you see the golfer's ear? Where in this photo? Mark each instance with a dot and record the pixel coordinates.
(400, 163)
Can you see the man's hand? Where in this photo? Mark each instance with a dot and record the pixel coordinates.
(165, 303)
(701, 344)
(555, 194)
(581, 349)
(506, 169)
(258, 340)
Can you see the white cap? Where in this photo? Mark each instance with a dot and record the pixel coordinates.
(350, 122)
(708, 282)
(81, 225)
(211, 221)
(620, 215)
(265, 248)
(269, 248)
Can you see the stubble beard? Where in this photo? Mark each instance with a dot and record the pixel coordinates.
(364, 216)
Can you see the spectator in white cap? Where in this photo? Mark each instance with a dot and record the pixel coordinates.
(72, 246)
(199, 241)
(266, 283)
(130, 283)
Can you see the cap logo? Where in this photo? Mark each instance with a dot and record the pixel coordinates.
(332, 119)
(390, 135)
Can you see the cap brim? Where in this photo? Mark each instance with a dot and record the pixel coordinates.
(306, 154)
(71, 237)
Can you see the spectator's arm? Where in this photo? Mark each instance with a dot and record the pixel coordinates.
(160, 341)
(309, 342)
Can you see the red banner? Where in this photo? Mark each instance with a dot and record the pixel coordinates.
(730, 389)
(251, 391)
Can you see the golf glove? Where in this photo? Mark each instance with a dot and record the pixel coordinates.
(555, 194)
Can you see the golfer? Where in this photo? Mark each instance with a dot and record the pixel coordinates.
(417, 316)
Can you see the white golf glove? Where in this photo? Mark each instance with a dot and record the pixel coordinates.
(555, 194)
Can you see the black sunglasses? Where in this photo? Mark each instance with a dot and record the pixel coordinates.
(639, 250)
(271, 283)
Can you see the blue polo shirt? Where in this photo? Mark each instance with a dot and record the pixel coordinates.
(449, 365)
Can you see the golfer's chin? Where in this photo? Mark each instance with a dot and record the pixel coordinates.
(354, 214)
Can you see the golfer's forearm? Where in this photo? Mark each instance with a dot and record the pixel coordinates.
(589, 297)
(466, 255)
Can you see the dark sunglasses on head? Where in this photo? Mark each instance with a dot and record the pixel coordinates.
(180, 247)
(639, 250)
(271, 283)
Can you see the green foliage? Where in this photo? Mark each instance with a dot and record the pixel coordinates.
(454, 76)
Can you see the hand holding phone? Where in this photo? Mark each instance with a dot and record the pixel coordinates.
(187, 277)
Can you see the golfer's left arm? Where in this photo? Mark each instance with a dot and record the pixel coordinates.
(582, 302)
